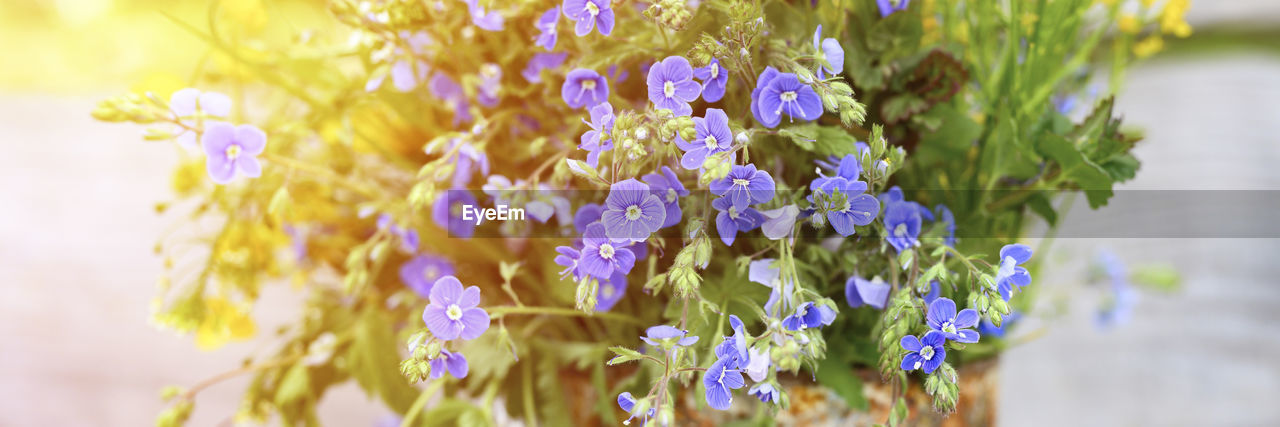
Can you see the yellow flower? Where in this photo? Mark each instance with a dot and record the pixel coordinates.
(223, 322)
(1148, 46)
(1129, 24)
(1172, 18)
(188, 176)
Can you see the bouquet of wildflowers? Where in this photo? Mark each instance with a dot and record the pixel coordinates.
(650, 211)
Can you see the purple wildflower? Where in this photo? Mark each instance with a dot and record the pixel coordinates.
(855, 208)
(490, 21)
(628, 403)
(542, 61)
(568, 258)
(785, 94)
(546, 26)
(763, 271)
(584, 88)
(631, 212)
(600, 257)
(451, 93)
(191, 101)
(452, 312)
(421, 272)
(447, 213)
(449, 361)
(902, 225)
(714, 78)
(655, 335)
(780, 222)
(586, 215)
(611, 291)
(762, 81)
(765, 392)
(809, 315)
(231, 148)
(713, 136)
(671, 85)
(719, 380)
(758, 363)
(887, 7)
(666, 185)
(859, 291)
(942, 317)
(588, 14)
(598, 140)
(1010, 274)
(831, 53)
(927, 354)
(408, 237)
(744, 186)
(731, 220)
(490, 84)
(465, 159)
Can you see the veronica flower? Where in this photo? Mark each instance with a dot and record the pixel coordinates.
(408, 237)
(589, 14)
(611, 291)
(671, 85)
(600, 257)
(831, 53)
(763, 272)
(449, 91)
(489, 21)
(465, 158)
(856, 208)
(668, 188)
(618, 75)
(584, 88)
(927, 354)
(446, 212)
(546, 26)
(859, 291)
(758, 362)
(731, 220)
(656, 335)
(490, 84)
(734, 348)
(785, 94)
(455, 363)
(586, 215)
(765, 392)
(935, 290)
(762, 81)
(631, 212)
(744, 186)
(894, 195)
(597, 140)
(714, 78)
(452, 312)
(230, 148)
(567, 257)
(887, 7)
(191, 101)
(986, 327)
(628, 403)
(719, 380)
(713, 136)
(780, 222)
(809, 315)
(421, 272)
(942, 317)
(1009, 274)
(542, 61)
(949, 221)
(902, 225)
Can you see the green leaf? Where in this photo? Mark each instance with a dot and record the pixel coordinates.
(1075, 168)
(374, 361)
(624, 355)
(1039, 203)
(843, 380)
(294, 387)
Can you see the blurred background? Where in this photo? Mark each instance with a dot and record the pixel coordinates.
(78, 225)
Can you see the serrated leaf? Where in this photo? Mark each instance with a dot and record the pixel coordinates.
(1075, 168)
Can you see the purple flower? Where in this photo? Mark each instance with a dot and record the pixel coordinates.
(902, 225)
(714, 77)
(546, 26)
(542, 61)
(719, 380)
(859, 291)
(734, 348)
(731, 220)
(765, 392)
(568, 258)
(611, 291)
(597, 140)
(447, 213)
(455, 363)
(761, 81)
(408, 237)
(584, 88)
(230, 148)
(809, 315)
(942, 317)
(600, 257)
(1010, 274)
(744, 186)
(854, 208)
(671, 85)
(465, 158)
(763, 272)
(631, 212)
(451, 93)
(628, 403)
(927, 353)
(657, 334)
(831, 52)
(589, 14)
(586, 215)
(949, 221)
(668, 188)
(490, 21)
(783, 93)
(713, 136)
(421, 272)
(190, 101)
(935, 290)
(780, 222)
(985, 327)
(758, 362)
(887, 7)
(490, 84)
(618, 75)
(894, 195)
(405, 75)
(452, 312)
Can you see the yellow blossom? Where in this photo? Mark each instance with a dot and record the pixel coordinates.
(1148, 46)
(1129, 24)
(1172, 18)
(223, 322)
(188, 176)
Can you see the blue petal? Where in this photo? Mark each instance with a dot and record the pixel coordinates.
(1019, 252)
(941, 311)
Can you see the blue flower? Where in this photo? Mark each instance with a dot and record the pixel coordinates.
(902, 225)
(668, 188)
(631, 212)
(744, 186)
(451, 93)
(453, 311)
(855, 207)
(831, 53)
(609, 292)
(894, 195)
(655, 335)
(490, 21)
(985, 327)
(597, 140)
(421, 272)
(546, 26)
(780, 222)
(589, 14)
(783, 93)
(935, 289)
(887, 7)
(452, 362)
(758, 363)
(584, 88)
(714, 77)
(447, 213)
(719, 381)
(731, 220)
(628, 403)
(542, 61)
(568, 258)
(949, 220)
(927, 354)
(942, 317)
(712, 136)
(586, 215)
(734, 348)
(490, 84)
(671, 85)
(761, 81)
(809, 315)
(600, 257)
(1009, 274)
(763, 272)
(765, 392)
(859, 291)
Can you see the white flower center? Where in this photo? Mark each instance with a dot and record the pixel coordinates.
(926, 353)
(454, 312)
(430, 272)
(715, 69)
(593, 9)
(589, 84)
(669, 89)
(733, 212)
(233, 152)
(633, 212)
(711, 142)
(607, 291)
(949, 327)
(740, 182)
(671, 195)
(900, 230)
(606, 251)
(788, 96)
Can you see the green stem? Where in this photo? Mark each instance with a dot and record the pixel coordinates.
(419, 403)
